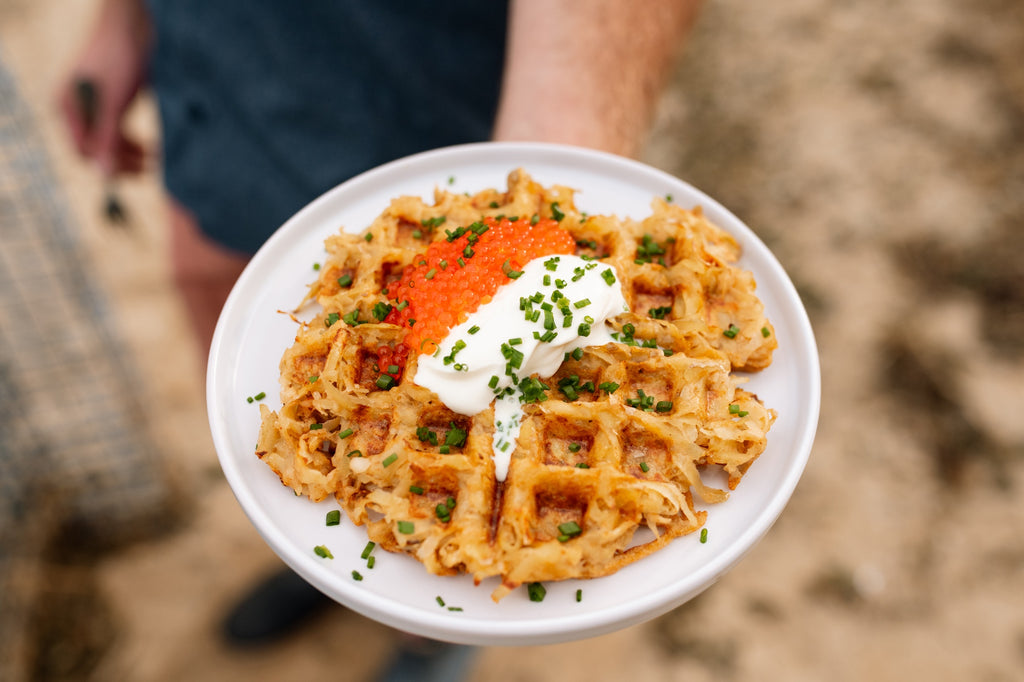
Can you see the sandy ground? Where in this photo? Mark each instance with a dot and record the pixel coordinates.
(878, 148)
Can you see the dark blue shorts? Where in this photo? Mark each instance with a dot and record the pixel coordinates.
(266, 104)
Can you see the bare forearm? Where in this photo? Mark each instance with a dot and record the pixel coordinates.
(589, 72)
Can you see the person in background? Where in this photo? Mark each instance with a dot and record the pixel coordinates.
(266, 105)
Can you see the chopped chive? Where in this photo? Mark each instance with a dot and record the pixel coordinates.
(346, 433)
(430, 273)
(583, 329)
(259, 396)
(455, 437)
(385, 382)
(333, 517)
(394, 369)
(608, 386)
(313, 379)
(556, 213)
(570, 528)
(703, 535)
(663, 406)
(579, 595)
(582, 465)
(402, 306)
(415, 490)
(355, 453)
(406, 527)
(493, 383)
(734, 409)
(536, 591)
(461, 263)
(417, 234)
(425, 434)
(574, 447)
(366, 550)
(389, 460)
(454, 608)
(345, 281)
(474, 329)
(322, 552)
(249, 399)
(371, 562)
(315, 427)
(369, 237)
(644, 468)
(732, 331)
(440, 602)
(577, 354)
(608, 276)
(765, 332)
(351, 318)
(316, 266)
(442, 513)
(660, 313)
(356, 575)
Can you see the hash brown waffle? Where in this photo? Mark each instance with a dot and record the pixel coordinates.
(422, 478)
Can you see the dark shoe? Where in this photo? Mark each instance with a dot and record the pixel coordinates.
(426, 660)
(276, 607)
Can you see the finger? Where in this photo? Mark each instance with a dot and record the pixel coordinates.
(106, 138)
(131, 156)
(74, 121)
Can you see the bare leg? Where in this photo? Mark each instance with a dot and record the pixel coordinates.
(204, 273)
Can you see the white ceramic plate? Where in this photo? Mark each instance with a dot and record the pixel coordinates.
(251, 336)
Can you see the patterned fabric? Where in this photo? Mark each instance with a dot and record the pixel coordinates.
(75, 460)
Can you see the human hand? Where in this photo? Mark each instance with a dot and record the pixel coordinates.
(103, 83)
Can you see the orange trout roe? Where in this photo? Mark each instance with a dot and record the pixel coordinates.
(388, 359)
(456, 275)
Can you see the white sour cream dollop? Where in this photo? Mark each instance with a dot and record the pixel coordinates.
(557, 304)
